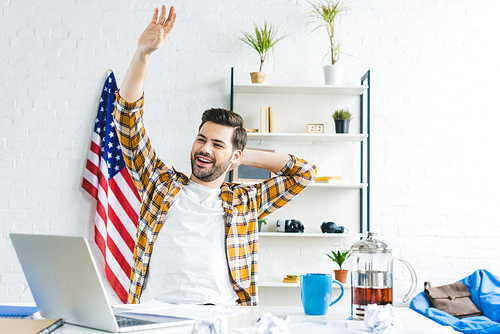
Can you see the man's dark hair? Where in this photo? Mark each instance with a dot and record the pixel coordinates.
(229, 118)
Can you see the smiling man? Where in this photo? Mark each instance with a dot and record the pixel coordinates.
(204, 230)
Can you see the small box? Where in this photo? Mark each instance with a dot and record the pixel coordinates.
(315, 128)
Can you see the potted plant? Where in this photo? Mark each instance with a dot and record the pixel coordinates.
(342, 118)
(339, 258)
(262, 221)
(263, 39)
(328, 12)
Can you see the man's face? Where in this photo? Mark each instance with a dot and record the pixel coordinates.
(212, 152)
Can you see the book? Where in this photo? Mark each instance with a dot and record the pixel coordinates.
(7, 311)
(270, 118)
(264, 120)
(327, 179)
(291, 279)
(29, 326)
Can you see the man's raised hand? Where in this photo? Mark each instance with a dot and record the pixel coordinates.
(157, 31)
(151, 39)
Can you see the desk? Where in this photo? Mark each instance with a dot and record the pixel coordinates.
(410, 322)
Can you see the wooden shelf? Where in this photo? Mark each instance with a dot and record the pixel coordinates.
(293, 89)
(310, 235)
(306, 137)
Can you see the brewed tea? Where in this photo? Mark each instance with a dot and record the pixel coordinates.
(365, 296)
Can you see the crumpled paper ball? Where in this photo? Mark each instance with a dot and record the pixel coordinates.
(380, 319)
(270, 324)
(217, 325)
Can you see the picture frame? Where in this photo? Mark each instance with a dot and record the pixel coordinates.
(248, 174)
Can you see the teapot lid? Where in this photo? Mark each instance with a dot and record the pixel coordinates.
(370, 245)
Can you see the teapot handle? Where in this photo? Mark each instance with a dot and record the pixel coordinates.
(413, 285)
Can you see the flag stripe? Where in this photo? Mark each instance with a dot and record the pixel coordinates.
(120, 192)
(89, 187)
(117, 285)
(119, 232)
(107, 179)
(116, 253)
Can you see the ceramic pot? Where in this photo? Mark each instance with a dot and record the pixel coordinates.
(342, 126)
(258, 77)
(341, 275)
(333, 74)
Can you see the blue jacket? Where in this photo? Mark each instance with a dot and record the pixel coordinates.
(484, 289)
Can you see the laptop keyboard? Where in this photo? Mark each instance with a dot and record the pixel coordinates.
(129, 322)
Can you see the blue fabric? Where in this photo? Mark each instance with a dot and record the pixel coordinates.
(484, 289)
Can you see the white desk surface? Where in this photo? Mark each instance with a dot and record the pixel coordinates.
(299, 323)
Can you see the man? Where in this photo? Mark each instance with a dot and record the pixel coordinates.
(207, 252)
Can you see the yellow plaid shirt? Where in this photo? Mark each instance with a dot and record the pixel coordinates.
(244, 205)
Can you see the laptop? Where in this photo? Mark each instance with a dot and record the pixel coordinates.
(63, 279)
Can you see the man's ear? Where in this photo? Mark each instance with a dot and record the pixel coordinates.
(236, 159)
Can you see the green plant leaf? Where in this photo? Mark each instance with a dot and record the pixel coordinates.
(342, 114)
(339, 257)
(328, 12)
(263, 39)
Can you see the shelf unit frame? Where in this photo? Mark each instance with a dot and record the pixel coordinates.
(364, 136)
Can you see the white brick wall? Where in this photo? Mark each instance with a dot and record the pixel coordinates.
(435, 113)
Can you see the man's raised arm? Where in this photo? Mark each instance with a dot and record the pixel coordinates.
(151, 40)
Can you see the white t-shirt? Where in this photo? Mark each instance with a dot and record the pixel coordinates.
(188, 263)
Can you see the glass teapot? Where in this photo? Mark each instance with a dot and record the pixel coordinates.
(371, 275)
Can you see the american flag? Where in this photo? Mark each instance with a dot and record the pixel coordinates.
(107, 179)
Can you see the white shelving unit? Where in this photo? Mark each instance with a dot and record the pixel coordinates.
(273, 284)
(290, 137)
(304, 90)
(337, 184)
(309, 235)
(295, 106)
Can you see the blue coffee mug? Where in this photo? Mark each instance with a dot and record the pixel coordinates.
(316, 293)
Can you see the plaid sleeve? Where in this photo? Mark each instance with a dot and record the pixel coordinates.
(281, 189)
(136, 147)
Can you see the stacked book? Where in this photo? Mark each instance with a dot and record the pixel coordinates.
(266, 119)
(291, 279)
(327, 179)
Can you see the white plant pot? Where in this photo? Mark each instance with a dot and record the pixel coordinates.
(333, 74)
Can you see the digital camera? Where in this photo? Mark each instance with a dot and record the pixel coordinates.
(289, 225)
